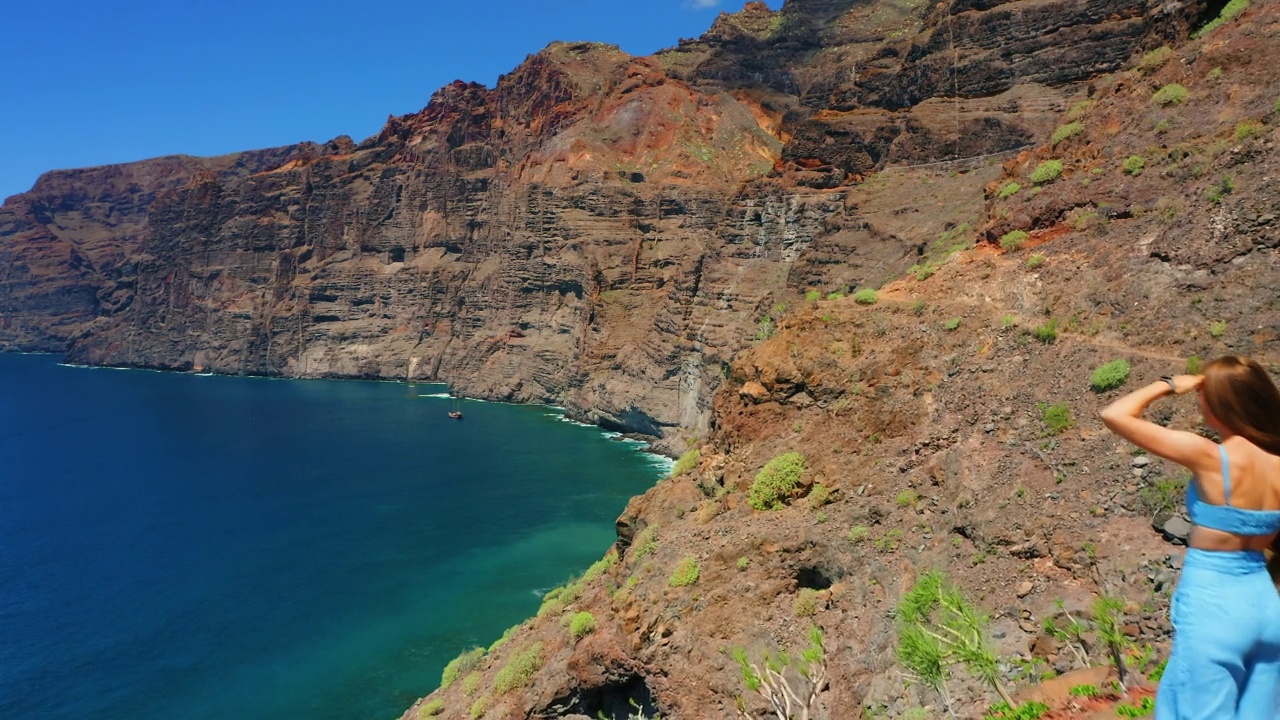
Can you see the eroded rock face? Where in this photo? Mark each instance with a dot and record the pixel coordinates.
(598, 230)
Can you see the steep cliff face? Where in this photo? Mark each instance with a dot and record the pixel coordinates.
(598, 230)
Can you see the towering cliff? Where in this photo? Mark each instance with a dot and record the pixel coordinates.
(598, 230)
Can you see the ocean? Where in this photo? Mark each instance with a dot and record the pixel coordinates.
(226, 548)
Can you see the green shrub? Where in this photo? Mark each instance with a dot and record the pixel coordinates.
(1056, 417)
(743, 563)
(432, 708)
(1008, 190)
(908, 498)
(837, 295)
(1195, 365)
(609, 560)
(1030, 710)
(1171, 94)
(519, 669)
(686, 572)
(1223, 187)
(479, 707)
(470, 683)
(459, 666)
(776, 481)
(645, 542)
(1214, 74)
(1163, 494)
(1080, 109)
(550, 606)
(865, 296)
(1110, 376)
(1249, 128)
(1143, 708)
(1154, 59)
(1013, 239)
(806, 604)
(1084, 691)
(858, 533)
(951, 324)
(1135, 164)
(1218, 329)
(820, 495)
(1066, 131)
(1046, 333)
(687, 462)
(1229, 12)
(1035, 261)
(581, 625)
(812, 296)
(1046, 171)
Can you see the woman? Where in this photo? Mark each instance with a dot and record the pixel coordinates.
(1225, 611)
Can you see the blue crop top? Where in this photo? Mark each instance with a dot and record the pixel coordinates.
(1240, 521)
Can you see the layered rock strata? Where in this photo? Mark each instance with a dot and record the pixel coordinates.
(598, 230)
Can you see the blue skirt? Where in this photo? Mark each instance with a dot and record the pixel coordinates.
(1225, 663)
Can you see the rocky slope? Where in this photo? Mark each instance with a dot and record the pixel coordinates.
(928, 424)
(598, 230)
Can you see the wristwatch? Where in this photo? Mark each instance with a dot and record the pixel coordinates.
(1173, 386)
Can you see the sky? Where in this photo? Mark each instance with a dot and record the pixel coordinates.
(94, 82)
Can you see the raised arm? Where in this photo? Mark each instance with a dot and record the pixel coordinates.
(1124, 418)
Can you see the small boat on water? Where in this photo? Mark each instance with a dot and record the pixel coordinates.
(456, 414)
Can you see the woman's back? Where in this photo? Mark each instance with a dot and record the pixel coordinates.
(1253, 474)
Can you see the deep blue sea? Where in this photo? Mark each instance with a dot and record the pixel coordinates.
(177, 546)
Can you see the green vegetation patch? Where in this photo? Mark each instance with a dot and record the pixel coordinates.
(1030, 710)
(1069, 130)
(1249, 128)
(1056, 417)
(687, 462)
(776, 481)
(1134, 165)
(686, 572)
(1035, 261)
(520, 669)
(1013, 239)
(460, 666)
(865, 296)
(1110, 376)
(1171, 94)
(581, 625)
(820, 495)
(951, 324)
(1008, 190)
(1046, 171)
(1046, 333)
(479, 707)
(806, 604)
(1229, 13)
(1221, 189)
(1155, 59)
(1218, 329)
(645, 542)
(431, 708)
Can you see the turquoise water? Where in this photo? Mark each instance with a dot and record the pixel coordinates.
(177, 546)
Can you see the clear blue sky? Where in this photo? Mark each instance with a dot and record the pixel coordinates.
(92, 82)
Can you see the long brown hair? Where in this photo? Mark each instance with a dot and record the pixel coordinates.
(1241, 395)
